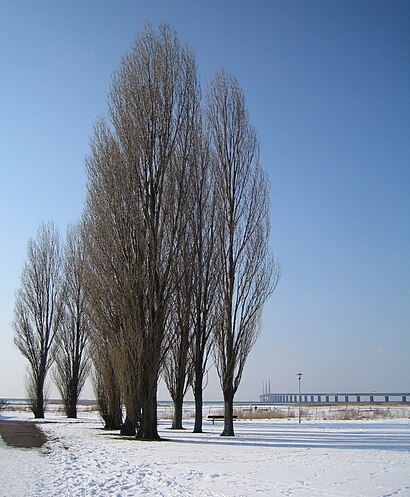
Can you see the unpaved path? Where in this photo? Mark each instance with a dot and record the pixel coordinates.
(22, 434)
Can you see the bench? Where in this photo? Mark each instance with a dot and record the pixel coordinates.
(214, 417)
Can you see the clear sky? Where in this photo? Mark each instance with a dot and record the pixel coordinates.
(327, 85)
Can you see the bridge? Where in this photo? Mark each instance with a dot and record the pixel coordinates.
(332, 398)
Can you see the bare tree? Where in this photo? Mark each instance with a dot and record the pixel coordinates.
(137, 183)
(103, 309)
(206, 270)
(115, 261)
(249, 274)
(71, 360)
(125, 356)
(115, 254)
(104, 305)
(106, 388)
(178, 362)
(38, 311)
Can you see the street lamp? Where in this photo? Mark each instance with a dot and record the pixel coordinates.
(299, 375)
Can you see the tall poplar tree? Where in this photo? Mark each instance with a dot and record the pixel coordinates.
(137, 184)
(248, 272)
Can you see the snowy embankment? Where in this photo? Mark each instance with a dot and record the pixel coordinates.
(266, 458)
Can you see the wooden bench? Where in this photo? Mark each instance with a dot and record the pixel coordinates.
(214, 417)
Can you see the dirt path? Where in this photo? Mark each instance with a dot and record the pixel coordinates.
(21, 434)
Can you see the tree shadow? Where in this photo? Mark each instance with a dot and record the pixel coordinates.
(377, 437)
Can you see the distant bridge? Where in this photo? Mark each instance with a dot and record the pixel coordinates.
(331, 398)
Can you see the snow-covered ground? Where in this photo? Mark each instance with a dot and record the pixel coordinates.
(266, 458)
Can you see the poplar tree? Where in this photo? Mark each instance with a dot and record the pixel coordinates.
(137, 186)
(248, 272)
(38, 311)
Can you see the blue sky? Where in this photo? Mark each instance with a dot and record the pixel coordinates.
(327, 85)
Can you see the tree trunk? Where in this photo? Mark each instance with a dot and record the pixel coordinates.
(112, 421)
(198, 395)
(38, 407)
(228, 426)
(38, 410)
(127, 428)
(177, 419)
(71, 410)
(113, 418)
(149, 429)
(132, 418)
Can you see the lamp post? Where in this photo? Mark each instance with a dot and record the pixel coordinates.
(299, 375)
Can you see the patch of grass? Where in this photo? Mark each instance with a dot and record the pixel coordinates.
(265, 414)
(352, 414)
(17, 407)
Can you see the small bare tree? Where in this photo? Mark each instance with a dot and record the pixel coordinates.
(249, 274)
(71, 360)
(38, 312)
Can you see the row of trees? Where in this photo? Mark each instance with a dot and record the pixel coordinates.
(171, 261)
(51, 323)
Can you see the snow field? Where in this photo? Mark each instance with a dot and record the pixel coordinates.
(266, 458)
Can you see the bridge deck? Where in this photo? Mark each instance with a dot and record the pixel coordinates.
(326, 398)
